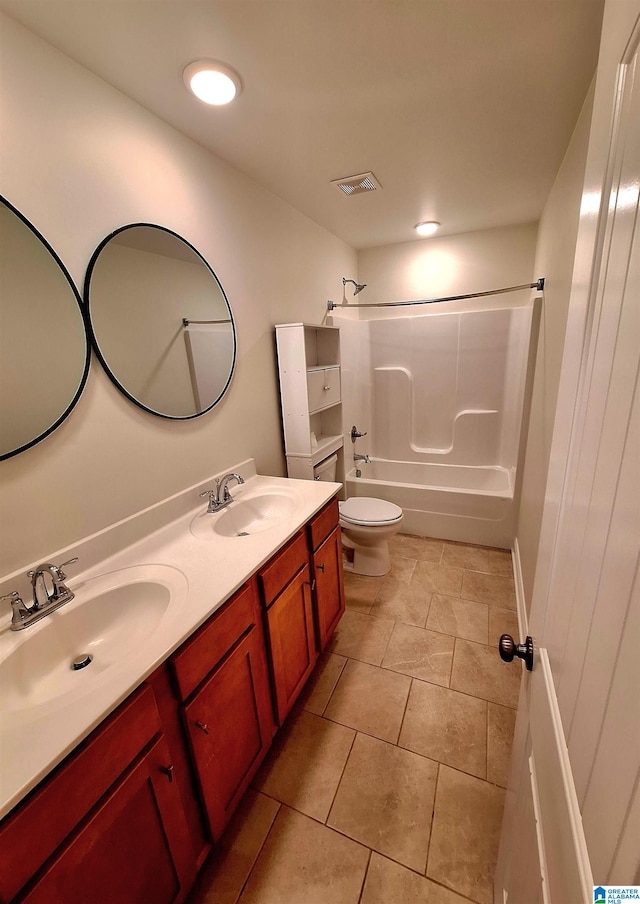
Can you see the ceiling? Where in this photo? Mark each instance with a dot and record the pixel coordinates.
(462, 109)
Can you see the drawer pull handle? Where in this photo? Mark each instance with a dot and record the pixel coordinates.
(168, 771)
(203, 727)
(320, 567)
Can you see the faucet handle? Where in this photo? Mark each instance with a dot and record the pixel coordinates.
(355, 433)
(61, 573)
(213, 496)
(18, 608)
(14, 596)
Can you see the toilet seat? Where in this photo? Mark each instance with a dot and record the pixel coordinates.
(365, 511)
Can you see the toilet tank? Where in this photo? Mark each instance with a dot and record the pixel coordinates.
(326, 469)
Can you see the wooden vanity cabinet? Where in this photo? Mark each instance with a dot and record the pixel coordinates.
(223, 680)
(326, 567)
(285, 585)
(108, 824)
(130, 815)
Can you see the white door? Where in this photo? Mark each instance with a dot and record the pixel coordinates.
(572, 814)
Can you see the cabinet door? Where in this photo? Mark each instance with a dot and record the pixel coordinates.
(133, 848)
(229, 723)
(291, 637)
(323, 388)
(329, 586)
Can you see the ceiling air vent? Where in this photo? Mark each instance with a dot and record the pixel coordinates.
(356, 185)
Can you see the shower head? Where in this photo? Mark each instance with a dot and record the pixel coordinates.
(358, 287)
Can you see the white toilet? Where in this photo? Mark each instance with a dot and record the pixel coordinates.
(367, 524)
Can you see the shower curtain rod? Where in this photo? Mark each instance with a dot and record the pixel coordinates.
(186, 321)
(539, 285)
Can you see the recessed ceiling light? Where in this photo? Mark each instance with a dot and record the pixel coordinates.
(427, 228)
(212, 82)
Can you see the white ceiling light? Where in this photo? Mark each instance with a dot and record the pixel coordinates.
(212, 82)
(427, 228)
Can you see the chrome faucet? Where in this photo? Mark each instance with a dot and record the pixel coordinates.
(45, 599)
(221, 497)
(363, 458)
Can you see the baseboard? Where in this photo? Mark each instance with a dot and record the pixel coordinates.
(521, 606)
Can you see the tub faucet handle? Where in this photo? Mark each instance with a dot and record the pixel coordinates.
(355, 433)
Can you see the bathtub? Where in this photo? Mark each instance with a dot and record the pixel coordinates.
(471, 504)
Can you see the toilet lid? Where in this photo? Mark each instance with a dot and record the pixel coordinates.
(366, 510)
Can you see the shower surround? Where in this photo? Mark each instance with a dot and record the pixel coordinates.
(442, 398)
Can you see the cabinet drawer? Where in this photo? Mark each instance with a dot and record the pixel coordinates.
(31, 834)
(323, 388)
(284, 566)
(323, 523)
(195, 658)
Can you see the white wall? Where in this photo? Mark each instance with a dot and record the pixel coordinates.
(449, 265)
(79, 159)
(555, 260)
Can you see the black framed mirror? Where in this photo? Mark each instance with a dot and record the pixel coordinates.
(160, 321)
(44, 346)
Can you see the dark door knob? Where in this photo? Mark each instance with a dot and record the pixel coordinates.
(508, 648)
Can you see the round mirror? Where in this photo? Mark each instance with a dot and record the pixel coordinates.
(160, 321)
(44, 349)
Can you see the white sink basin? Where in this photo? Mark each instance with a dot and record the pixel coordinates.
(249, 515)
(110, 615)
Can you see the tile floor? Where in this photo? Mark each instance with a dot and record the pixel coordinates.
(386, 785)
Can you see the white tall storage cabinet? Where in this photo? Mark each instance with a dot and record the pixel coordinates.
(310, 395)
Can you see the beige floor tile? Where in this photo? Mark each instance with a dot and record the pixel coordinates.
(493, 589)
(465, 835)
(438, 578)
(385, 800)
(361, 637)
(304, 766)
(370, 699)
(360, 591)
(479, 671)
(500, 562)
(460, 555)
(322, 682)
(389, 883)
(500, 727)
(458, 617)
(446, 726)
(402, 569)
(422, 548)
(303, 862)
(420, 653)
(502, 621)
(227, 869)
(407, 603)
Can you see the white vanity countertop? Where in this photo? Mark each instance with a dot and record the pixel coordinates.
(170, 543)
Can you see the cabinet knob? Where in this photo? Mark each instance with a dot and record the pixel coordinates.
(203, 727)
(326, 388)
(320, 567)
(168, 771)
